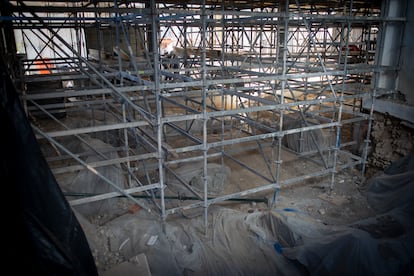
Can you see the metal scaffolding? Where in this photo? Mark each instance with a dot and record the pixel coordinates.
(238, 76)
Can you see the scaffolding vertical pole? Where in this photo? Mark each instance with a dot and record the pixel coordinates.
(337, 145)
(155, 54)
(367, 140)
(223, 74)
(373, 93)
(204, 107)
(78, 36)
(124, 118)
(118, 42)
(282, 93)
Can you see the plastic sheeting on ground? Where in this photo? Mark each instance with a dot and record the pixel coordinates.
(87, 182)
(277, 242)
(236, 244)
(382, 245)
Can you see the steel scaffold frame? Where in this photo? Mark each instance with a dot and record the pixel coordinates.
(241, 72)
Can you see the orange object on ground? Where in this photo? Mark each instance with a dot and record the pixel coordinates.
(134, 208)
(44, 66)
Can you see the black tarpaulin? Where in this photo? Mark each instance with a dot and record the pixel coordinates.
(42, 235)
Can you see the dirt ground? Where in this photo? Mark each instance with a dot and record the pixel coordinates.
(343, 204)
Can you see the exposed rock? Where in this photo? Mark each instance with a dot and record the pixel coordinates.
(391, 140)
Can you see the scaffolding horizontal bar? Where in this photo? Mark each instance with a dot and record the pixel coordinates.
(90, 199)
(103, 163)
(94, 129)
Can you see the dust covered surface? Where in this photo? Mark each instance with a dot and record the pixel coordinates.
(307, 231)
(236, 243)
(382, 244)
